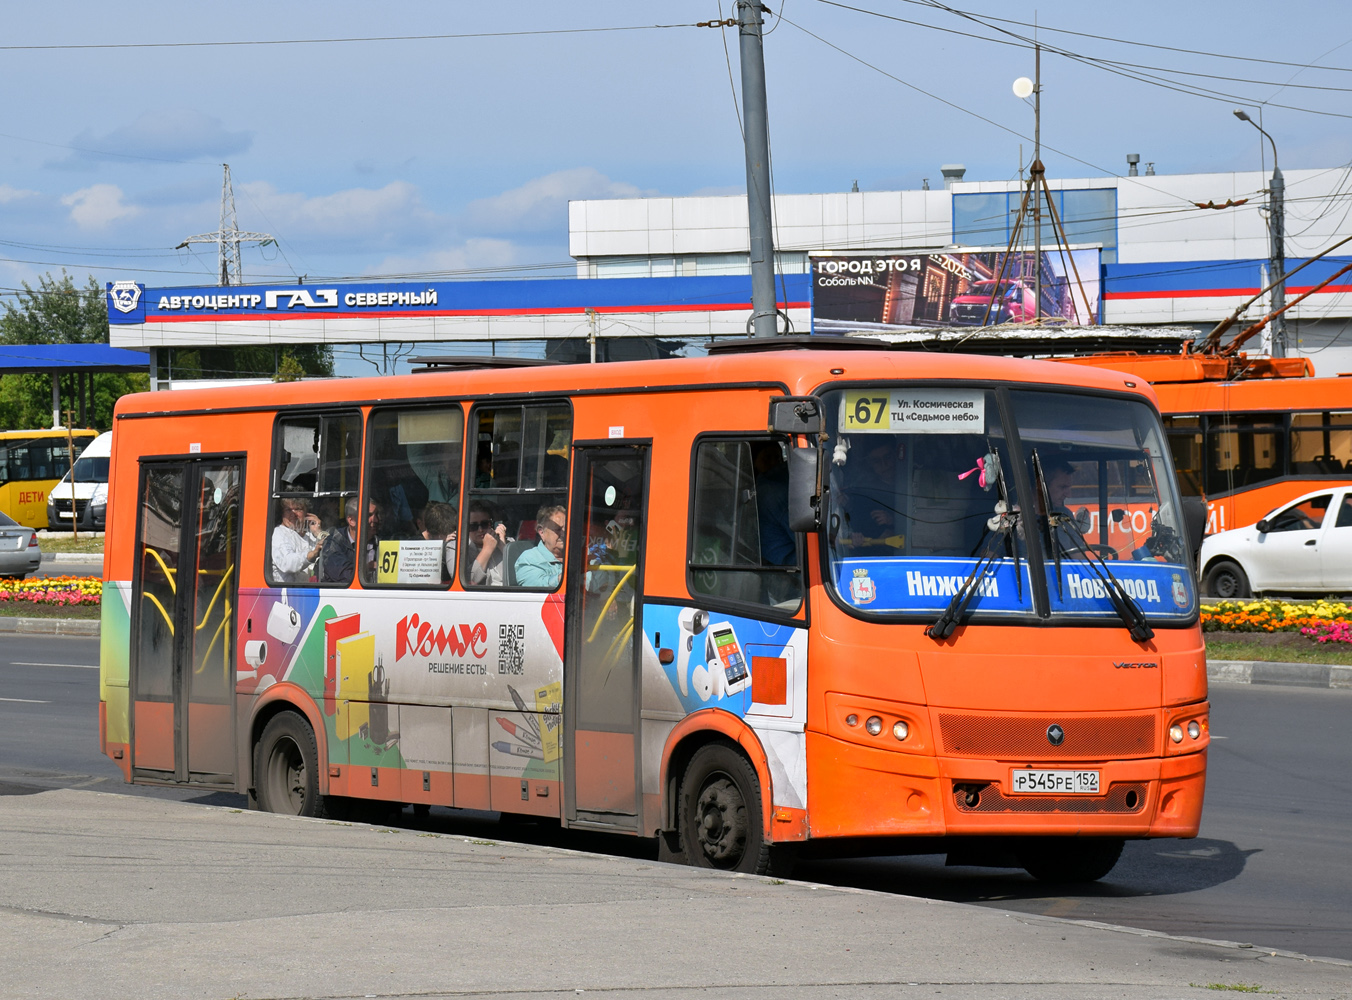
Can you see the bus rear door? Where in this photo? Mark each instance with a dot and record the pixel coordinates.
(183, 603)
(603, 649)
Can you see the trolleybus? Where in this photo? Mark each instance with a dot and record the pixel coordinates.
(750, 604)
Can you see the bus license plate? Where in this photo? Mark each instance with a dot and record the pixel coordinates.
(1056, 782)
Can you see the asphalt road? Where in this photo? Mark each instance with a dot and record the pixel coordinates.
(1270, 867)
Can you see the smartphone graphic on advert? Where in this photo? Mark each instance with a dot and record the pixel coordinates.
(728, 651)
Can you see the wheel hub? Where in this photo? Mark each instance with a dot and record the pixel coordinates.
(722, 828)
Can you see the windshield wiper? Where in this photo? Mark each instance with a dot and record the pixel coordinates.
(999, 528)
(1123, 603)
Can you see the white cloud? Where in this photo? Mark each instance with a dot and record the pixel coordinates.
(472, 254)
(8, 194)
(169, 134)
(541, 205)
(394, 212)
(98, 205)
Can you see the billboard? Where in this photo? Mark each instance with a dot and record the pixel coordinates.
(854, 291)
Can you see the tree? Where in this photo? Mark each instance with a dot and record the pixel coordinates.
(56, 312)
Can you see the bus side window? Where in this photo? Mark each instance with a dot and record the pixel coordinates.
(316, 461)
(741, 548)
(1244, 449)
(413, 460)
(519, 469)
(1321, 443)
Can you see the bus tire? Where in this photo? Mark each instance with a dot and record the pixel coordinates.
(1226, 580)
(720, 813)
(286, 768)
(1069, 859)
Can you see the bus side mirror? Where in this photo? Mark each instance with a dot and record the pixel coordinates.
(1194, 522)
(804, 496)
(1263, 526)
(795, 415)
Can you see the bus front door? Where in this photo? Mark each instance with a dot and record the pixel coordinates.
(602, 637)
(183, 604)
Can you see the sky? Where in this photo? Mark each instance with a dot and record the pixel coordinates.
(450, 156)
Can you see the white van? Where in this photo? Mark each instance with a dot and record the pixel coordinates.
(90, 500)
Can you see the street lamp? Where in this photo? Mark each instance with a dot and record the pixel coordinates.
(1277, 255)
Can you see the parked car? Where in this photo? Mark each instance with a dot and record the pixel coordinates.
(19, 551)
(86, 504)
(1302, 547)
(1014, 303)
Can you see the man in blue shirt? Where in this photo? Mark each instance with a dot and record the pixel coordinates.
(542, 566)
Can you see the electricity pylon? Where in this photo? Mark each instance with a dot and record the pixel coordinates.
(228, 237)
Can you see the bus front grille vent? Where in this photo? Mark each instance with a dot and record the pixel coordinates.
(1025, 737)
(1125, 797)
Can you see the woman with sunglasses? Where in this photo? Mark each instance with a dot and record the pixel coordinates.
(485, 546)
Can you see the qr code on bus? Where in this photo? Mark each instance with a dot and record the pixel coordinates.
(511, 649)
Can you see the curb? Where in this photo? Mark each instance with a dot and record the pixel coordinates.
(50, 626)
(72, 557)
(1314, 675)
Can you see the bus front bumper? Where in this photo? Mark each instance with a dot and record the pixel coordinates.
(858, 791)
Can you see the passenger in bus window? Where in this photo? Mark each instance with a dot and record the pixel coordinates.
(486, 545)
(777, 543)
(339, 556)
(437, 465)
(439, 524)
(870, 492)
(295, 543)
(377, 519)
(542, 566)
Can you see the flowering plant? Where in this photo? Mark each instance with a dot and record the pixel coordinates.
(53, 591)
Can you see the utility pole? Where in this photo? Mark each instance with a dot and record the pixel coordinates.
(757, 140)
(1036, 172)
(1277, 245)
(228, 237)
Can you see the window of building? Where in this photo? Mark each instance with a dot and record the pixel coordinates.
(316, 466)
(515, 515)
(412, 503)
(1321, 443)
(741, 548)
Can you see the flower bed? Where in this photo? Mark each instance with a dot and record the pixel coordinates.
(53, 591)
(1321, 621)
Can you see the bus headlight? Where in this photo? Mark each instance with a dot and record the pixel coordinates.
(900, 730)
(874, 725)
(1194, 730)
(1176, 733)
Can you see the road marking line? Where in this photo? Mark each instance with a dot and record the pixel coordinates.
(83, 666)
(27, 701)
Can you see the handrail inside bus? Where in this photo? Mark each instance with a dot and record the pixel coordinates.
(225, 620)
(156, 601)
(628, 572)
(169, 573)
(219, 587)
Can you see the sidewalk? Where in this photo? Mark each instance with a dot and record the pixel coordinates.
(111, 896)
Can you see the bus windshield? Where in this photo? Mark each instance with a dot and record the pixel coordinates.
(936, 488)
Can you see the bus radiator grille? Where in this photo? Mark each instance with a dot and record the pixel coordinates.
(1025, 737)
(1128, 797)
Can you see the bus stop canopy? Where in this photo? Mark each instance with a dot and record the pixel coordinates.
(78, 360)
(19, 358)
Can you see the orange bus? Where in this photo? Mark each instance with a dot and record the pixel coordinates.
(750, 605)
(1249, 434)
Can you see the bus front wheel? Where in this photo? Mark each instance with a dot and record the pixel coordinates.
(286, 767)
(1069, 859)
(720, 812)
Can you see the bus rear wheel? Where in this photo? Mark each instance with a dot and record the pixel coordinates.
(720, 812)
(1226, 580)
(1069, 859)
(286, 767)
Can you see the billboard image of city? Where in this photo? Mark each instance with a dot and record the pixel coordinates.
(859, 292)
